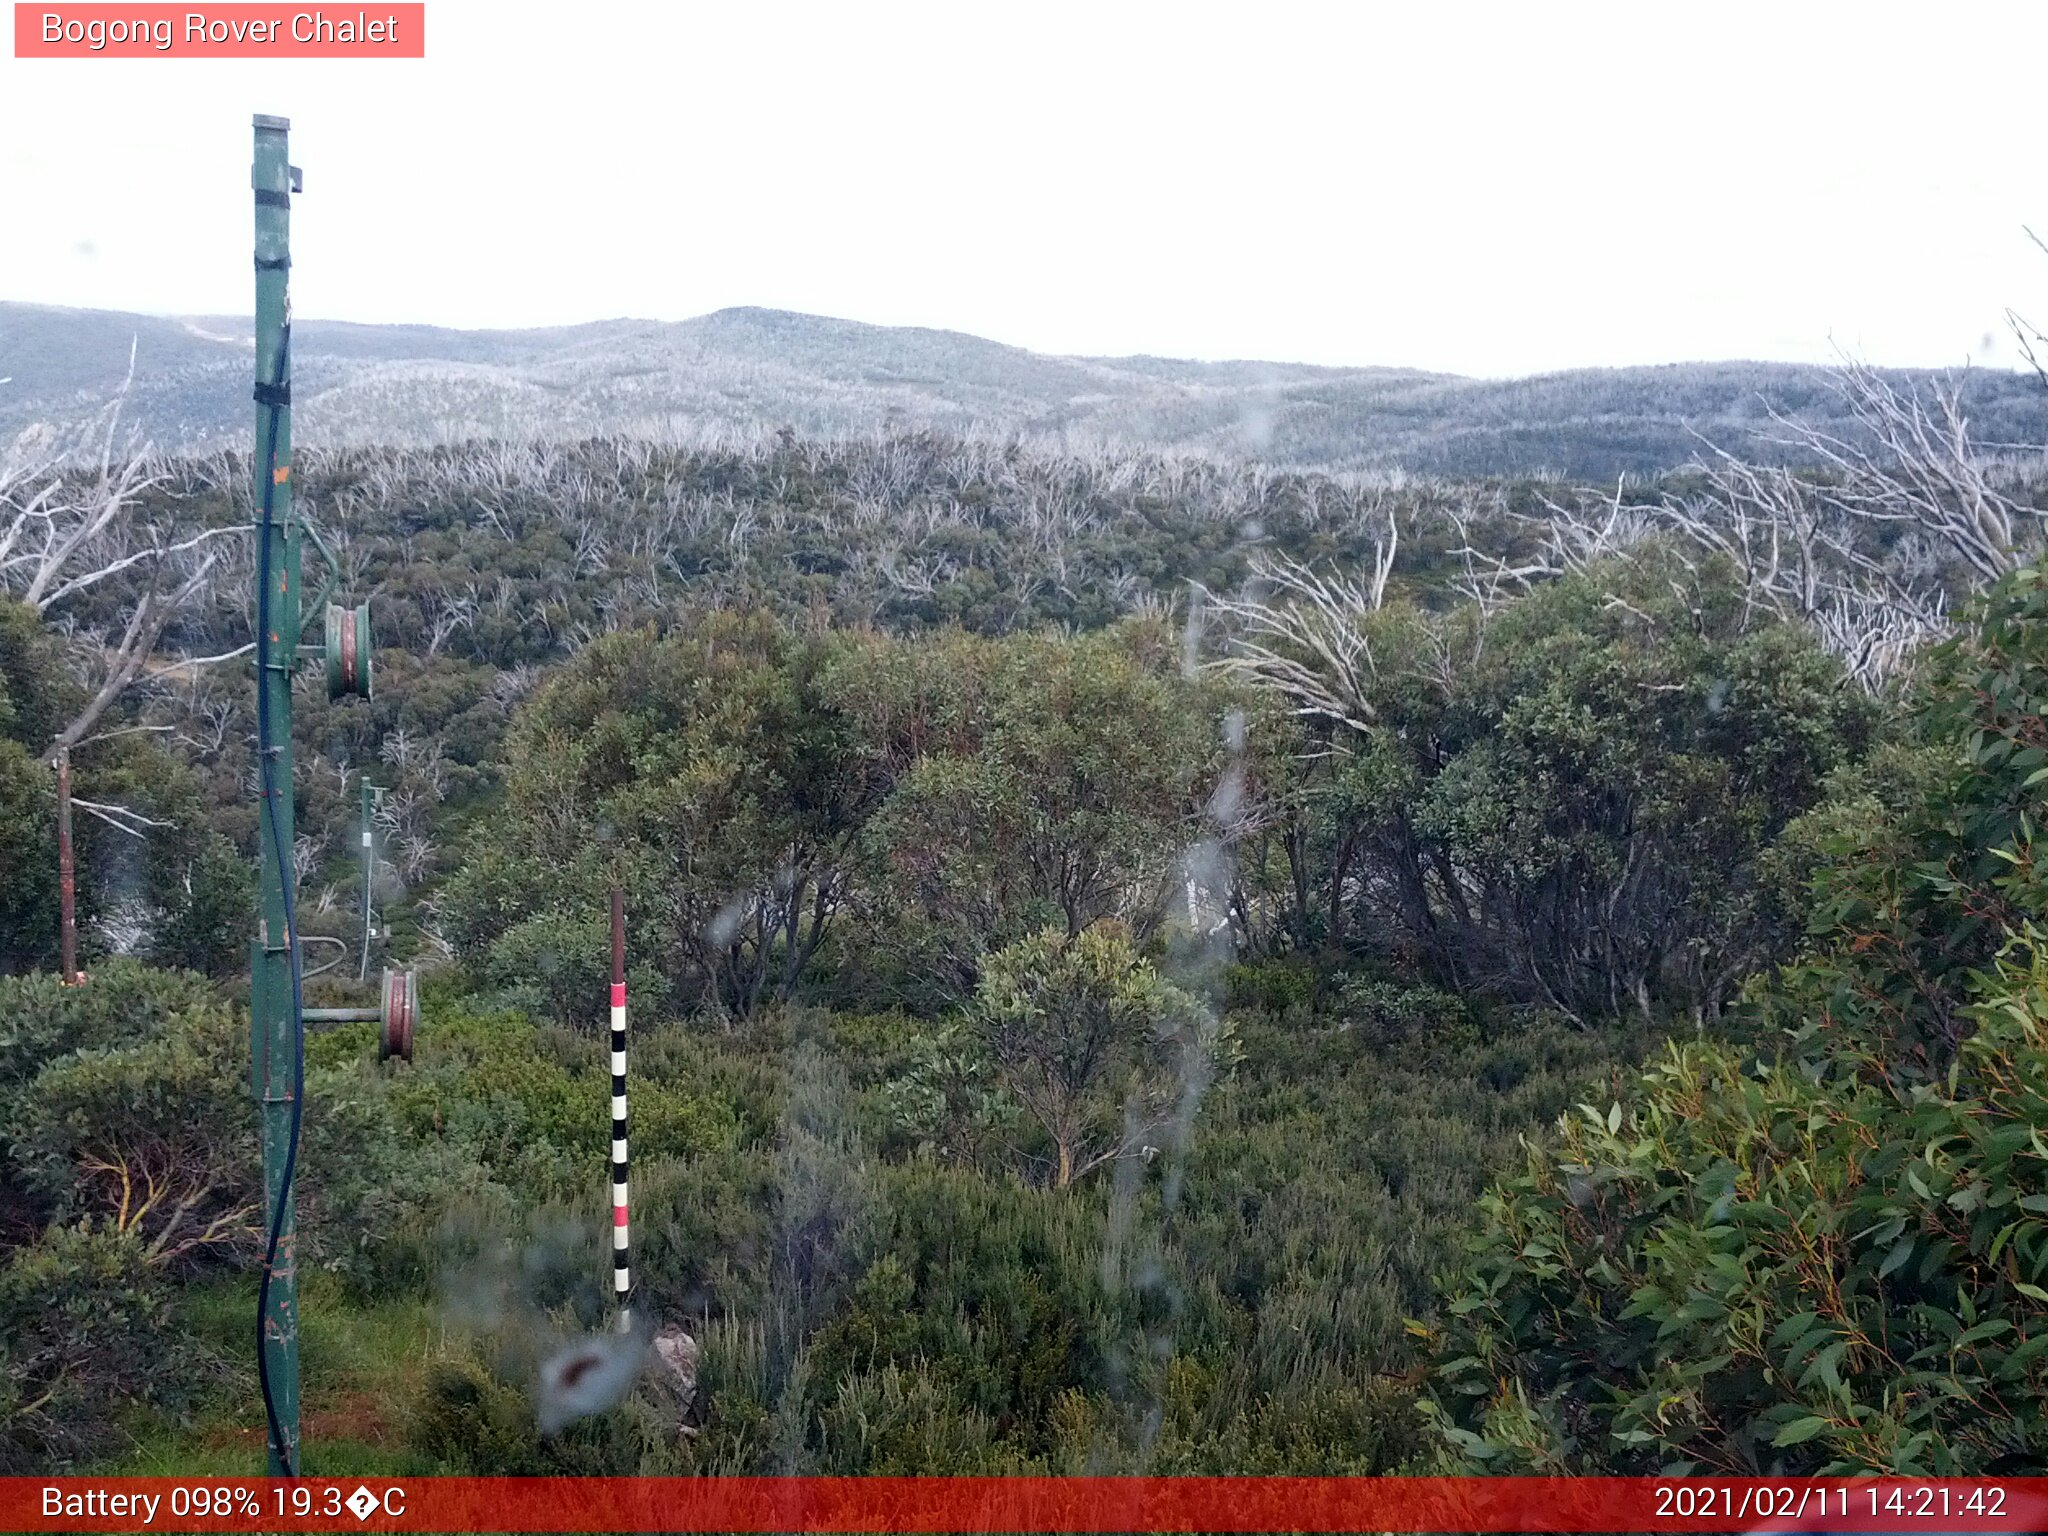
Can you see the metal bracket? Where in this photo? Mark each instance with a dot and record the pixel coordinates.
(317, 608)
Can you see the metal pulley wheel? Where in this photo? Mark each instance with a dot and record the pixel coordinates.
(400, 1010)
(348, 651)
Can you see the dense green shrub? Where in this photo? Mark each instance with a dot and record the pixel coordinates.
(1833, 1255)
(125, 1002)
(156, 1137)
(1569, 802)
(560, 966)
(754, 788)
(1749, 1269)
(1930, 868)
(28, 852)
(945, 1098)
(82, 1315)
(703, 771)
(1100, 1049)
(1274, 986)
(1032, 781)
(37, 694)
(1199, 1428)
(485, 1087)
(475, 1417)
(208, 930)
(896, 1422)
(1398, 1016)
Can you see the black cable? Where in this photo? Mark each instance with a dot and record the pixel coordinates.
(267, 766)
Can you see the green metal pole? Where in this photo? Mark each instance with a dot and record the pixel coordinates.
(369, 873)
(274, 1022)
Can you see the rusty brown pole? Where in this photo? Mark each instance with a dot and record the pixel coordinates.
(67, 876)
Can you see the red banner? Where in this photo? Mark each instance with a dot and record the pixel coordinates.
(1087, 1504)
(226, 31)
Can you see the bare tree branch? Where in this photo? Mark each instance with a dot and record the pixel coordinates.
(1308, 644)
(119, 817)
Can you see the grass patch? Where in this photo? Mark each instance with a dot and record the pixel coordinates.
(357, 1364)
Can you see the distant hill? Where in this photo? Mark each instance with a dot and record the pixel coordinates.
(751, 368)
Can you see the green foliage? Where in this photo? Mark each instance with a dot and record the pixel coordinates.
(486, 1087)
(1030, 781)
(28, 852)
(896, 1422)
(1835, 1257)
(155, 1138)
(125, 1002)
(1272, 986)
(560, 966)
(82, 1315)
(1422, 1021)
(1570, 803)
(699, 769)
(1095, 1043)
(36, 694)
(1003, 1294)
(842, 1298)
(207, 930)
(1746, 1269)
(370, 1197)
(1931, 867)
(749, 786)
(1333, 1429)
(475, 1417)
(946, 1098)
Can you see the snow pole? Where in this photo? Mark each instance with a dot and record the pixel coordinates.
(622, 1272)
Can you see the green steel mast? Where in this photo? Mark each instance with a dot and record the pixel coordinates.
(277, 1011)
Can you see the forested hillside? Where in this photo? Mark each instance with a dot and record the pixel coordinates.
(741, 369)
(1138, 961)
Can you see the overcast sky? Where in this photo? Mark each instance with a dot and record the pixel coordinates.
(1489, 189)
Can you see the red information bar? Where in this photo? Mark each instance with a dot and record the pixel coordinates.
(376, 30)
(1082, 1504)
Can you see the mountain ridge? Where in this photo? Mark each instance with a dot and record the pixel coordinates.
(751, 368)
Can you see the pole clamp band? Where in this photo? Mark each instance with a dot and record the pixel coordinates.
(273, 394)
(273, 263)
(270, 197)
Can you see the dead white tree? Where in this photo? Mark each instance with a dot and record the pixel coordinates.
(1867, 542)
(1570, 537)
(1916, 464)
(446, 613)
(918, 575)
(1299, 633)
(2032, 342)
(71, 520)
(1805, 558)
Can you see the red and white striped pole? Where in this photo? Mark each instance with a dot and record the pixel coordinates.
(622, 1274)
